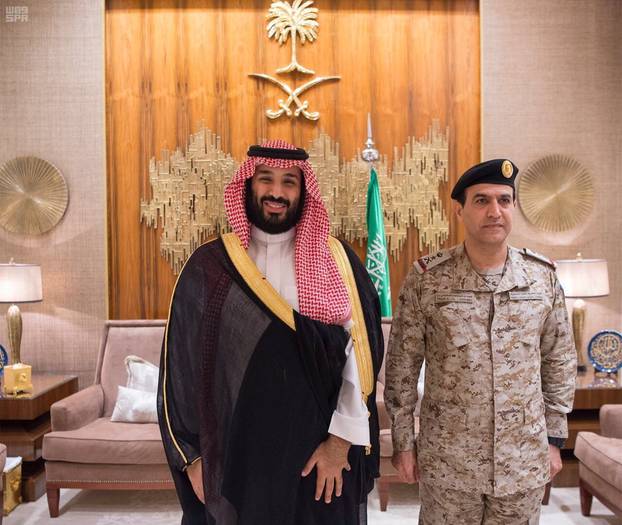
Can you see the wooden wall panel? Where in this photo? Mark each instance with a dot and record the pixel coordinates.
(171, 66)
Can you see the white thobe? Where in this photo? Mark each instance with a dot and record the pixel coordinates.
(274, 256)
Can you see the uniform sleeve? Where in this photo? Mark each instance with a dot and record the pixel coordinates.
(180, 365)
(405, 355)
(558, 366)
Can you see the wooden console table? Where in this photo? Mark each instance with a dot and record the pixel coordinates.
(24, 419)
(589, 397)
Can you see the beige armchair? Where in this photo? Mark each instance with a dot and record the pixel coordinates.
(85, 449)
(2, 462)
(600, 462)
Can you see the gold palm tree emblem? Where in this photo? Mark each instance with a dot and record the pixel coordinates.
(294, 20)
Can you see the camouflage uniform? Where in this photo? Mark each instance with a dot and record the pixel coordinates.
(453, 507)
(500, 372)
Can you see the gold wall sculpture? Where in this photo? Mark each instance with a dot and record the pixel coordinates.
(187, 189)
(187, 196)
(409, 190)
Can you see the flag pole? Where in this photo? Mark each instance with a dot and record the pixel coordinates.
(376, 258)
(370, 153)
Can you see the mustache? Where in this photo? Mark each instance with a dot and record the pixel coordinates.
(280, 200)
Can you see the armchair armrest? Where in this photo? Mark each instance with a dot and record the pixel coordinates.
(611, 421)
(78, 409)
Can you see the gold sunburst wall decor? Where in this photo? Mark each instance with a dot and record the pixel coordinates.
(33, 196)
(187, 192)
(556, 193)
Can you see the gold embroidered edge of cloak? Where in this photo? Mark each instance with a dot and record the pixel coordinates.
(164, 382)
(360, 338)
(256, 281)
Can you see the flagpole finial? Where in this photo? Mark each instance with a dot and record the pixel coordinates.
(369, 154)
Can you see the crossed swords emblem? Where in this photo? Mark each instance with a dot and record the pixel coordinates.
(293, 97)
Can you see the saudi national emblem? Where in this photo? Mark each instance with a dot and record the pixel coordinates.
(292, 21)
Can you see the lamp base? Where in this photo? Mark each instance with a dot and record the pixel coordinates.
(17, 379)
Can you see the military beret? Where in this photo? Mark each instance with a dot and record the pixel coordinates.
(496, 171)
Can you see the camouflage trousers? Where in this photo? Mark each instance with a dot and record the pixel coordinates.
(441, 506)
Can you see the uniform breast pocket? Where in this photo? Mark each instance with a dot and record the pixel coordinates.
(529, 310)
(453, 326)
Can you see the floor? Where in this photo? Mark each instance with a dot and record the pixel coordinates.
(161, 508)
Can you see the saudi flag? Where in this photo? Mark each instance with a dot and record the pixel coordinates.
(377, 260)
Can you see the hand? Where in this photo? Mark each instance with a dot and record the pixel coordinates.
(195, 475)
(555, 460)
(330, 458)
(405, 463)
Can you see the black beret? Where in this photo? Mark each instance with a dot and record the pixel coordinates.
(496, 171)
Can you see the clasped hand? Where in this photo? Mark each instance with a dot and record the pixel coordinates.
(330, 458)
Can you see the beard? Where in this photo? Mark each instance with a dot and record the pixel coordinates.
(272, 222)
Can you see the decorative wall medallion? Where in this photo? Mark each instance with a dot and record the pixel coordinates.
(33, 196)
(296, 20)
(556, 193)
(187, 193)
(605, 351)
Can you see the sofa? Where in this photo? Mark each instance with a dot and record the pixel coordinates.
(600, 462)
(85, 449)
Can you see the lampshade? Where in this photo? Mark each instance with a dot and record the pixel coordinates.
(583, 277)
(20, 283)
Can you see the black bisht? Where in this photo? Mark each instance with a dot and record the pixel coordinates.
(253, 399)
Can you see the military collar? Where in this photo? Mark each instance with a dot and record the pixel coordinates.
(466, 278)
(514, 275)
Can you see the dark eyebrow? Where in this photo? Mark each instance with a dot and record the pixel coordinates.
(487, 196)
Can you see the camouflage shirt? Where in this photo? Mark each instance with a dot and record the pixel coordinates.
(500, 371)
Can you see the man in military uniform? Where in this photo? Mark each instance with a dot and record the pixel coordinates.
(491, 322)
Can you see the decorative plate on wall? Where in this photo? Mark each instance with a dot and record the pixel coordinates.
(33, 196)
(556, 193)
(605, 351)
(4, 359)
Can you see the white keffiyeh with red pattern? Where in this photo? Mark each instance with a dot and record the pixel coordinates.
(322, 294)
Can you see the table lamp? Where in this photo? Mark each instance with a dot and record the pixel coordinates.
(19, 283)
(582, 278)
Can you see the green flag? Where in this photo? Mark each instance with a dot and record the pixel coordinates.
(377, 260)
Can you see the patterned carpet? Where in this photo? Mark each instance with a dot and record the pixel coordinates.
(160, 508)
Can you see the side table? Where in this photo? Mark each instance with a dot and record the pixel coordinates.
(24, 419)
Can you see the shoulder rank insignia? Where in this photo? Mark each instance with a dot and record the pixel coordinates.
(539, 257)
(425, 263)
